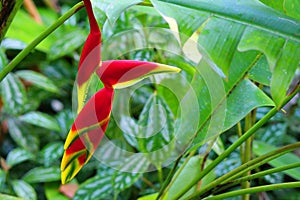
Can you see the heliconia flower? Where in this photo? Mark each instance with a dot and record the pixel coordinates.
(90, 56)
(90, 124)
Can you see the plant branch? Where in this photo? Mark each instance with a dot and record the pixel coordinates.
(255, 190)
(39, 39)
(237, 143)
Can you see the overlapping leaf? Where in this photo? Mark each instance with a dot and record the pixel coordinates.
(244, 26)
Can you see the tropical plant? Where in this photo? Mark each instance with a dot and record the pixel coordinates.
(226, 126)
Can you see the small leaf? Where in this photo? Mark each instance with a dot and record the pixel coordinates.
(97, 187)
(24, 190)
(41, 119)
(41, 174)
(22, 136)
(52, 153)
(67, 41)
(17, 156)
(132, 169)
(156, 130)
(13, 94)
(113, 9)
(38, 80)
(261, 148)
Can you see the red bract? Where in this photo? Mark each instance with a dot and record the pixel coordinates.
(90, 56)
(92, 120)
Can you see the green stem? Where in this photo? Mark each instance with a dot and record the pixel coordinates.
(255, 190)
(245, 168)
(237, 143)
(39, 39)
(256, 175)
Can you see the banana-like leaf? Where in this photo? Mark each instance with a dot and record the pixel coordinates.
(231, 26)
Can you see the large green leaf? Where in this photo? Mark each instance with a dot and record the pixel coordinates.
(13, 94)
(17, 156)
(25, 29)
(261, 148)
(41, 174)
(38, 80)
(22, 136)
(41, 119)
(24, 190)
(289, 7)
(245, 25)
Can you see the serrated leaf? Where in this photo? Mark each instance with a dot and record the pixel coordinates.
(13, 94)
(17, 156)
(97, 187)
(52, 153)
(22, 136)
(40, 119)
(24, 190)
(156, 130)
(260, 148)
(113, 9)
(38, 80)
(41, 174)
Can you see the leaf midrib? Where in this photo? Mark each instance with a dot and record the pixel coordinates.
(256, 15)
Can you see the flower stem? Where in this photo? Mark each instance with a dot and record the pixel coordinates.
(255, 190)
(39, 39)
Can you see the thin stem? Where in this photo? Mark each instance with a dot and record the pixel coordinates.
(256, 175)
(246, 167)
(255, 190)
(39, 39)
(237, 143)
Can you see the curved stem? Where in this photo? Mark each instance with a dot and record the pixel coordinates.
(255, 190)
(256, 175)
(245, 168)
(238, 142)
(39, 39)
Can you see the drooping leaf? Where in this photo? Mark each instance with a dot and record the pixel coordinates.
(13, 94)
(38, 80)
(17, 156)
(22, 136)
(113, 9)
(41, 174)
(24, 190)
(41, 119)
(260, 148)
